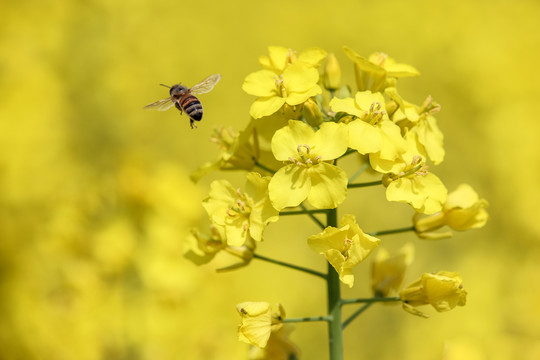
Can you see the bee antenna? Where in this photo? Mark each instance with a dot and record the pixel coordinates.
(165, 86)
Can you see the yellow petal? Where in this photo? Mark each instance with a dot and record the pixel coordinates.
(328, 186)
(300, 78)
(364, 137)
(278, 57)
(313, 56)
(296, 98)
(266, 106)
(347, 105)
(330, 142)
(289, 186)
(286, 140)
(260, 83)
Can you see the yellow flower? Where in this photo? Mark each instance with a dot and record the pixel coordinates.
(258, 321)
(238, 151)
(409, 180)
(243, 214)
(297, 84)
(462, 211)
(309, 173)
(387, 271)
(420, 122)
(379, 71)
(372, 132)
(332, 73)
(443, 291)
(280, 57)
(202, 248)
(345, 247)
(279, 346)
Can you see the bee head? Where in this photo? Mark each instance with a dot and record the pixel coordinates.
(177, 90)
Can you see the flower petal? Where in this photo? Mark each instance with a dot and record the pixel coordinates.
(328, 186)
(299, 77)
(286, 140)
(330, 142)
(289, 186)
(364, 137)
(347, 105)
(295, 98)
(260, 83)
(266, 106)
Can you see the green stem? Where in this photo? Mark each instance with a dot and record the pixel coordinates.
(317, 221)
(371, 183)
(370, 300)
(356, 313)
(392, 231)
(335, 330)
(261, 166)
(300, 212)
(296, 267)
(307, 319)
(360, 170)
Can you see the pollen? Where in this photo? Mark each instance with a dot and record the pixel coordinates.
(305, 157)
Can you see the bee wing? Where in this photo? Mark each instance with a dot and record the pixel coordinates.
(160, 105)
(206, 85)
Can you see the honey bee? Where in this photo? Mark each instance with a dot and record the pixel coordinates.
(184, 99)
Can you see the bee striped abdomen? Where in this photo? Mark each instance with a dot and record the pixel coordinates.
(192, 106)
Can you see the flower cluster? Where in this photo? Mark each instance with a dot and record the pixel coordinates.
(302, 122)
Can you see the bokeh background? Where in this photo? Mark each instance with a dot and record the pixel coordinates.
(95, 199)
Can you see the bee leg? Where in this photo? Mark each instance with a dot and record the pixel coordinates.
(192, 124)
(178, 107)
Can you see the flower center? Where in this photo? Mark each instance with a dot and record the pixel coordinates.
(380, 59)
(305, 157)
(375, 113)
(416, 168)
(280, 84)
(240, 208)
(347, 243)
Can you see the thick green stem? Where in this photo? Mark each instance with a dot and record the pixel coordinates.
(335, 329)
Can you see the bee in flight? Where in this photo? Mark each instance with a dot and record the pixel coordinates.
(184, 99)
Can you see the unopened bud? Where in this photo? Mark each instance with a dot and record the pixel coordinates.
(312, 113)
(332, 73)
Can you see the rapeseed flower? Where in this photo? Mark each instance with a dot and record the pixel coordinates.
(258, 322)
(201, 248)
(443, 291)
(463, 210)
(419, 120)
(372, 131)
(244, 215)
(278, 347)
(309, 173)
(408, 180)
(294, 86)
(344, 248)
(279, 58)
(387, 272)
(378, 71)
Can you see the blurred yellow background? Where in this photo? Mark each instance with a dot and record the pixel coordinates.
(95, 199)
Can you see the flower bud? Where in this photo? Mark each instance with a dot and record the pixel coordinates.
(332, 73)
(312, 113)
